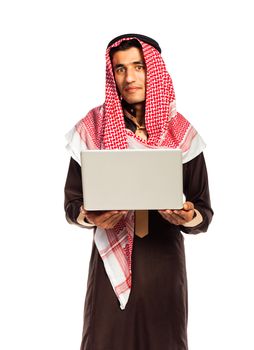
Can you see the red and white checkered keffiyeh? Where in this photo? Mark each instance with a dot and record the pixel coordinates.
(104, 128)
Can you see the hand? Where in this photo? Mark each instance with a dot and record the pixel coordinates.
(179, 217)
(104, 219)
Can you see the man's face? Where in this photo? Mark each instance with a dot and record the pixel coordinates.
(130, 74)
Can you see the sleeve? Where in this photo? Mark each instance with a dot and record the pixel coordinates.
(196, 190)
(74, 195)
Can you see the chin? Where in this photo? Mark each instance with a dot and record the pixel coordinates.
(133, 101)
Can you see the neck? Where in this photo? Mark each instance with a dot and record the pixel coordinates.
(135, 109)
(140, 112)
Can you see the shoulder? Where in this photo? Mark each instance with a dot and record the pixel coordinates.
(90, 128)
(94, 113)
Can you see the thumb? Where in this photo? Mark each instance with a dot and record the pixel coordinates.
(188, 206)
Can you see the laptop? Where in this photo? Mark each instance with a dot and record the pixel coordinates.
(132, 179)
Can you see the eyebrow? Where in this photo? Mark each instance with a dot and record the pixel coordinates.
(135, 62)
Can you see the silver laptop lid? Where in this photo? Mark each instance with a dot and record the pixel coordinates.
(132, 179)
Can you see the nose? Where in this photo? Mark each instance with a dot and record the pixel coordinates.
(130, 76)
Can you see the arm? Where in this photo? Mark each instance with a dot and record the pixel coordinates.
(74, 196)
(197, 212)
(196, 190)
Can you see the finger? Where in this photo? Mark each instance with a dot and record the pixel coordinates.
(187, 212)
(110, 223)
(113, 216)
(113, 219)
(174, 218)
(177, 219)
(181, 214)
(108, 214)
(188, 206)
(99, 217)
(123, 212)
(186, 216)
(106, 219)
(165, 211)
(167, 216)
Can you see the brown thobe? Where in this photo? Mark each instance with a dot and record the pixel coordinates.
(155, 317)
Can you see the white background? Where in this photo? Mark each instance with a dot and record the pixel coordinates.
(51, 74)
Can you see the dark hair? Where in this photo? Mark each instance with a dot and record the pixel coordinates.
(124, 45)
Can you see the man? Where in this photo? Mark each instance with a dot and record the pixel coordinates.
(137, 287)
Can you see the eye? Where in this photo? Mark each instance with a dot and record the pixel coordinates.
(140, 67)
(120, 70)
